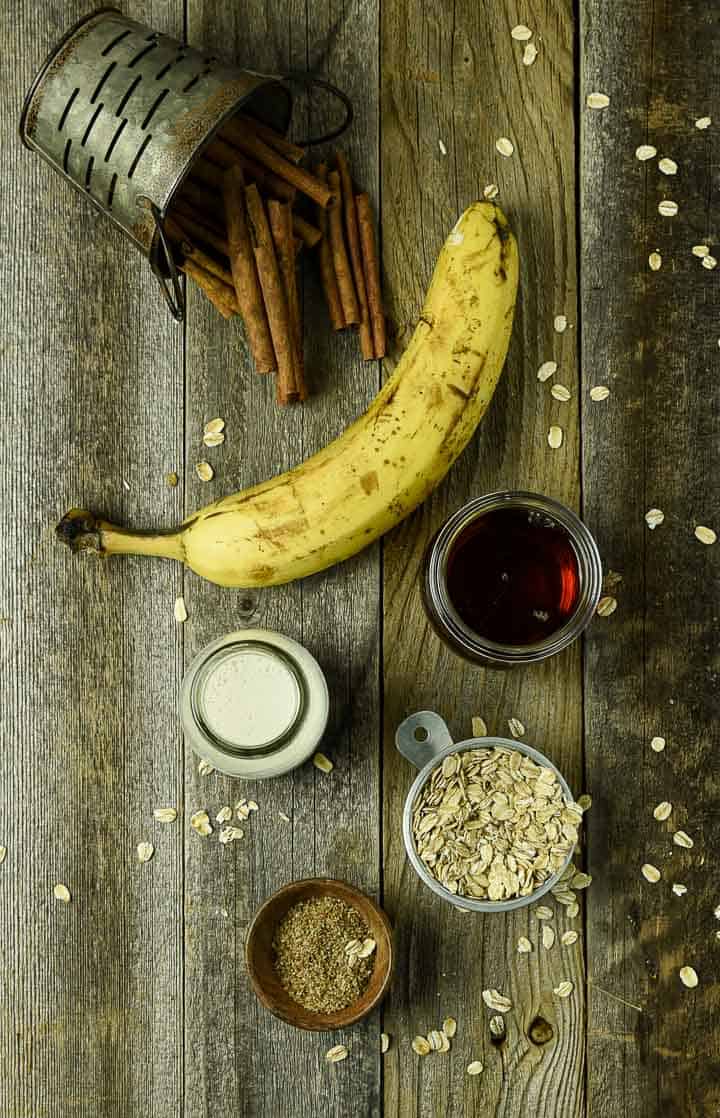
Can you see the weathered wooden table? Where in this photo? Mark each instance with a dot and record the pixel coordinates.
(133, 1000)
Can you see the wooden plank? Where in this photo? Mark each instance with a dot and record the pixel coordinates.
(652, 667)
(90, 398)
(453, 74)
(250, 1062)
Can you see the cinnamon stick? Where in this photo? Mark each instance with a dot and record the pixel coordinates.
(253, 146)
(273, 294)
(219, 294)
(353, 239)
(244, 273)
(225, 154)
(188, 220)
(191, 251)
(281, 226)
(308, 234)
(327, 268)
(371, 266)
(273, 139)
(343, 274)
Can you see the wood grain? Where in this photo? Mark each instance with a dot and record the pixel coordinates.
(437, 89)
(652, 667)
(253, 1063)
(90, 399)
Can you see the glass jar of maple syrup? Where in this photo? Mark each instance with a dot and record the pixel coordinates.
(511, 578)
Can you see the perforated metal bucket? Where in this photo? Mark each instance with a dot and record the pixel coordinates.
(122, 112)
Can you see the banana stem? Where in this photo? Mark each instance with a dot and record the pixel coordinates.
(82, 531)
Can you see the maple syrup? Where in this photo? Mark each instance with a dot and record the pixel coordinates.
(513, 576)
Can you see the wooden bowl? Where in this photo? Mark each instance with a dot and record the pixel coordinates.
(260, 962)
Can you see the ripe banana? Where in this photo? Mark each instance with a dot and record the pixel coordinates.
(386, 463)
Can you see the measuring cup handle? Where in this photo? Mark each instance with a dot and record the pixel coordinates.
(421, 737)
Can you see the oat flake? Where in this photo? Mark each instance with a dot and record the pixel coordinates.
(668, 166)
(443, 149)
(700, 250)
(479, 727)
(682, 838)
(705, 535)
(543, 912)
(165, 814)
(214, 440)
(645, 151)
(555, 437)
(516, 727)
(709, 262)
(323, 763)
(200, 822)
(597, 100)
(657, 745)
(224, 815)
(180, 610)
(384, 1042)
(568, 938)
(145, 851)
(663, 811)
(490, 191)
(205, 768)
(679, 890)
(230, 834)
(606, 606)
(581, 881)
(495, 1000)
(655, 261)
(524, 946)
(547, 370)
(475, 1068)
(548, 936)
(285, 818)
(560, 323)
(573, 910)
(584, 802)
(336, 1054)
(599, 392)
(504, 147)
(703, 122)
(214, 426)
(204, 471)
(435, 1040)
(61, 893)
(688, 977)
(449, 1027)
(667, 208)
(654, 517)
(529, 54)
(564, 990)
(560, 392)
(521, 33)
(421, 1046)
(650, 873)
(366, 948)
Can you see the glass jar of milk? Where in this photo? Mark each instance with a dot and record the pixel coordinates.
(254, 704)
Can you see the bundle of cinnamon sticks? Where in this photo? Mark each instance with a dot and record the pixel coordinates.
(237, 235)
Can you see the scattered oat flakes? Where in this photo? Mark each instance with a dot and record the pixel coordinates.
(61, 893)
(384, 1042)
(654, 517)
(655, 261)
(180, 610)
(336, 1054)
(599, 392)
(705, 535)
(650, 873)
(584, 802)
(320, 761)
(682, 838)
(3, 854)
(529, 54)
(597, 100)
(560, 323)
(560, 392)
(230, 834)
(568, 938)
(475, 1068)
(435, 1040)
(663, 811)
(645, 151)
(285, 818)
(667, 166)
(657, 745)
(214, 440)
(479, 727)
(497, 1027)
(449, 1027)
(543, 912)
(242, 810)
(495, 1000)
(716, 912)
(165, 814)
(490, 191)
(581, 881)
(224, 814)
(524, 946)
(145, 851)
(205, 768)
(444, 1043)
(171, 479)
(700, 250)
(564, 990)
(521, 33)
(214, 426)
(709, 262)
(688, 977)
(204, 471)
(548, 936)
(420, 1046)
(606, 606)
(555, 437)
(703, 122)
(516, 727)
(679, 890)
(504, 146)
(200, 822)
(443, 149)
(667, 208)
(547, 370)
(252, 806)
(573, 910)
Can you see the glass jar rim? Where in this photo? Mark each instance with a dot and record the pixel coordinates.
(589, 569)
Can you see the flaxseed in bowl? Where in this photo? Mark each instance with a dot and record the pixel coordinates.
(489, 824)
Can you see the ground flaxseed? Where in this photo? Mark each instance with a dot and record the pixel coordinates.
(311, 959)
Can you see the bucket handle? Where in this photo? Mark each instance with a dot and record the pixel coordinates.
(175, 298)
(309, 80)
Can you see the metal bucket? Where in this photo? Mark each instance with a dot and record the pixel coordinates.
(425, 741)
(122, 112)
